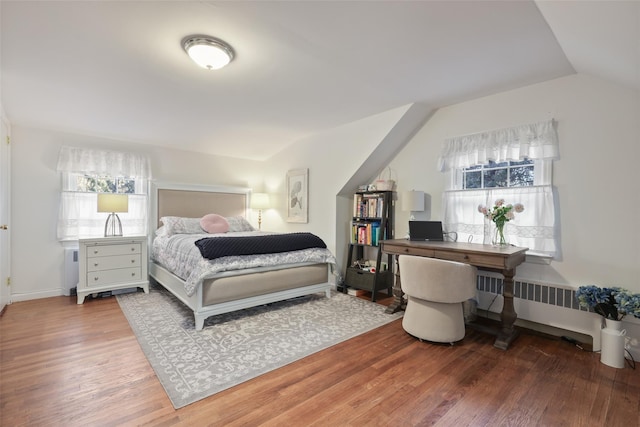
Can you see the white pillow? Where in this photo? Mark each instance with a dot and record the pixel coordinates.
(180, 225)
(238, 223)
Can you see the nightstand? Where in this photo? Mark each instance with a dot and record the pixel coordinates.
(111, 263)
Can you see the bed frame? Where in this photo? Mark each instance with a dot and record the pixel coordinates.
(246, 288)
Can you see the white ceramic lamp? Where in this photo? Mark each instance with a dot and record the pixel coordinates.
(413, 201)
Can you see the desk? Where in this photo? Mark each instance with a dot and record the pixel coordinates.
(485, 257)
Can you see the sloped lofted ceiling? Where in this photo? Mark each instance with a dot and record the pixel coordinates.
(116, 69)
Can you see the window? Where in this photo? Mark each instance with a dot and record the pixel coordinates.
(105, 184)
(508, 174)
(85, 173)
(88, 183)
(505, 174)
(513, 164)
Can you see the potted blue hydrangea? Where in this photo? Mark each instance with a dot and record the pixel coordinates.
(611, 303)
(628, 303)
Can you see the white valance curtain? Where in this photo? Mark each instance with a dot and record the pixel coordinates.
(103, 162)
(533, 228)
(534, 141)
(78, 215)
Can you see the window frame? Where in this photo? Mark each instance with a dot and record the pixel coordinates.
(69, 181)
(542, 175)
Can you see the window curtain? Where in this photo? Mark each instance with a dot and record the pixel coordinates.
(103, 163)
(535, 141)
(533, 228)
(78, 216)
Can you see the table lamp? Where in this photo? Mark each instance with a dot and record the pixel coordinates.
(413, 201)
(112, 203)
(259, 201)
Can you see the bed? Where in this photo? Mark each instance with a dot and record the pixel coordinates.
(230, 283)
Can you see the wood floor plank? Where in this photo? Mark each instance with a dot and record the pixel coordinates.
(63, 364)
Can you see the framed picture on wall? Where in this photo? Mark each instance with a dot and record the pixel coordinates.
(298, 195)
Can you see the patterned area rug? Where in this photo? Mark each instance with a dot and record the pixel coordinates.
(236, 347)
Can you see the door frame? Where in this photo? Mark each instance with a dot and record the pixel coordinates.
(5, 212)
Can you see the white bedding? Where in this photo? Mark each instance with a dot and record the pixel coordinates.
(179, 254)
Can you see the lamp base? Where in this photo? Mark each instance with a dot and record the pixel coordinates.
(113, 226)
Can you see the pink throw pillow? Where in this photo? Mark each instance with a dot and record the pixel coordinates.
(214, 223)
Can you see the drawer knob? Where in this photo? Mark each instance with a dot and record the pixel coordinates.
(133, 261)
(95, 264)
(95, 251)
(95, 278)
(133, 249)
(406, 249)
(133, 274)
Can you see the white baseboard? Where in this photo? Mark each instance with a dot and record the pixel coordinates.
(37, 295)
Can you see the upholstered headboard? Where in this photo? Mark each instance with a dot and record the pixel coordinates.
(196, 201)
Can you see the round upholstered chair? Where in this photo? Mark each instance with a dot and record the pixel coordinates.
(435, 292)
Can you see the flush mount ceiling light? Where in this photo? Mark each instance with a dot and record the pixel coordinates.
(208, 52)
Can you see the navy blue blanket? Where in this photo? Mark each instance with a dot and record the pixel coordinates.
(217, 247)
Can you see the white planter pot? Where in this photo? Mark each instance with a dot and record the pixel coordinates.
(612, 343)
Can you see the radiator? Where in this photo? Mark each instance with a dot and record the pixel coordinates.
(551, 305)
(71, 270)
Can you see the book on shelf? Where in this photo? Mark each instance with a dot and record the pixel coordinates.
(368, 205)
(365, 233)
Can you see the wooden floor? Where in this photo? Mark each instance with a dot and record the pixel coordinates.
(68, 365)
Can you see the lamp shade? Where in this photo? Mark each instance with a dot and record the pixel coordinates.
(413, 201)
(259, 201)
(110, 202)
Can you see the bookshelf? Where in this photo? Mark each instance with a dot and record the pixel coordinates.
(371, 222)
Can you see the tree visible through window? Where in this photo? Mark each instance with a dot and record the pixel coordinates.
(94, 184)
(495, 175)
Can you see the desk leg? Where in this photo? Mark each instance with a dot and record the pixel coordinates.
(508, 316)
(398, 300)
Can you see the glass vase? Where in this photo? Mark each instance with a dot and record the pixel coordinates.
(498, 238)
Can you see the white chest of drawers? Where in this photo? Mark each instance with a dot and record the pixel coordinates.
(111, 263)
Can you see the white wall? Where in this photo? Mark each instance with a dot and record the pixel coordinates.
(37, 257)
(596, 176)
(332, 157)
(596, 179)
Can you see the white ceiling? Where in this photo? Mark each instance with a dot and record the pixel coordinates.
(116, 69)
